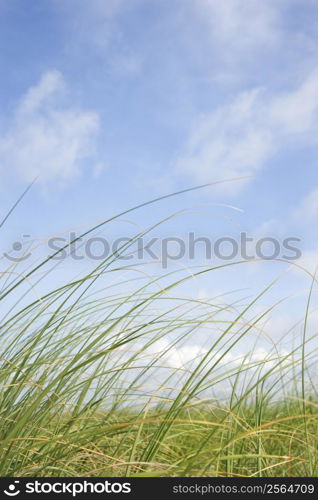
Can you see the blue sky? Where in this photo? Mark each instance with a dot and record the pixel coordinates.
(111, 103)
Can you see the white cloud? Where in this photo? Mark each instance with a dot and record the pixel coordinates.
(46, 137)
(97, 25)
(177, 356)
(296, 112)
(125, 65)
(230, 142)
(241, 25)
(308, 209)
(187, 356)
(308, 262)
(92, 22)
(239, 138)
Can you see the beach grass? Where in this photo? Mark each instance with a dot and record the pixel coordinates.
(91, 384)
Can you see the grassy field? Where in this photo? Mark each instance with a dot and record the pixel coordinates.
(88, 386)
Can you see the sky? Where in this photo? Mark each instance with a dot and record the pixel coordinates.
(110, 103)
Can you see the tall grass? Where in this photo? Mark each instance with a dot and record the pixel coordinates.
(91, 383)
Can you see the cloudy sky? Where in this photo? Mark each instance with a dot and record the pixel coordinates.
(109, 103)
